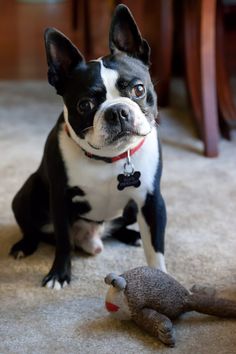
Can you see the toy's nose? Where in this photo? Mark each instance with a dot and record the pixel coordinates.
(111, 307)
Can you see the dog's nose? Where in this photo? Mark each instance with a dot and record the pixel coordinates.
(118, 115)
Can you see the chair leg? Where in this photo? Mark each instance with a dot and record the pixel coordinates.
(225, 97)
(208, 75)
(199, 32)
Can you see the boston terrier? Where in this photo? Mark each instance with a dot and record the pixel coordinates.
(102, 160)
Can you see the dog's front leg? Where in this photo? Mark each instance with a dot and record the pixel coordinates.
(152, 222)
(60, 274)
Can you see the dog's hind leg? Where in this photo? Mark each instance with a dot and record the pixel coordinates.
(123, 227)
(30, 207)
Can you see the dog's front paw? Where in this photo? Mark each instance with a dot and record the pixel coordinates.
(56, 281)
(23, 248)
(58, 277)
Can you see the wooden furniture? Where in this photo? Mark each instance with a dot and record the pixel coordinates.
(22, 24)
(227, 108)
(199, 46)
(211, 93)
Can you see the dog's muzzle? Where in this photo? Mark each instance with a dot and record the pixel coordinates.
(119, 116)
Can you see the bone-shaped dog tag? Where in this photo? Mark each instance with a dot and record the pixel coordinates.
(129, 181)
(129, 178)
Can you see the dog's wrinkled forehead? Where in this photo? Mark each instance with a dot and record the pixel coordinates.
(103, 77)
(116, 70)
(126, 66)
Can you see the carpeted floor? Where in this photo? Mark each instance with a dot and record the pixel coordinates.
(200, 241)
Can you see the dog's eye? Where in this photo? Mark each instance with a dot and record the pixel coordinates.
(138, 91)
(85, 106)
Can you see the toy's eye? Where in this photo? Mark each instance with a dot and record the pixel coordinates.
(138, 91)
(85, 106)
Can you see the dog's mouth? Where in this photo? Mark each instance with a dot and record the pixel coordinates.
(124, 134)
(122, 137)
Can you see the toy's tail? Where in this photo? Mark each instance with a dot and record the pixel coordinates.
(211, 305)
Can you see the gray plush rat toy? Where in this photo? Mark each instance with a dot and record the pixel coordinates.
(152, 299)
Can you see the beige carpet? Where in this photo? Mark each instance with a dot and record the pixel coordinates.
(200, 241)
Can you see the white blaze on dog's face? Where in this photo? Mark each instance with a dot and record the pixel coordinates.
(110, 103)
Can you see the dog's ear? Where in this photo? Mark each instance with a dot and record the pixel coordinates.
(62, 57)
(126, 37)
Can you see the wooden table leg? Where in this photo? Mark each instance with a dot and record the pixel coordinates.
(199, 32)
(208, 75)
(225, 96)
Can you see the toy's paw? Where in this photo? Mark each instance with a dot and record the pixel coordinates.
(22, 249)
(203, 290)
(166, 333)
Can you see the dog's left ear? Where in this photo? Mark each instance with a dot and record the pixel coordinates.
(62, 58)
(126, 37)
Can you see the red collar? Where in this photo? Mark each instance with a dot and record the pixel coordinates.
(110, 159)
(115, 158)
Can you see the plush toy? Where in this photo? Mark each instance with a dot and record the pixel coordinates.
(152, 299)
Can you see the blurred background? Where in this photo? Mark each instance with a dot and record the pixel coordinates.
(194, 40)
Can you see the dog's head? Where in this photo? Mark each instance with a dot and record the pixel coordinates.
(110, 103)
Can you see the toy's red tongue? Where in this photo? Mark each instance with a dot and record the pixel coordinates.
(111, 307)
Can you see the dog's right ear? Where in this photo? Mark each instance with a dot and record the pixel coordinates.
(125, 35)
(62, 58)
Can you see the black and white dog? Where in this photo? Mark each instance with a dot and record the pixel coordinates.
(102, 159)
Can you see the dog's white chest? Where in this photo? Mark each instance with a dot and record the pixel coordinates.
(98, 179)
